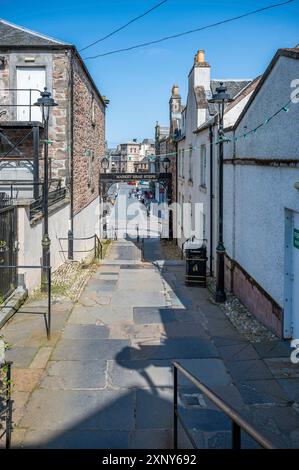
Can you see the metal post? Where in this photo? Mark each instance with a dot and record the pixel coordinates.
(46, 242)
(36, 162)
(70, 237)
(8, 406)
(175, 407)
(220, 292)
(49, 302)
(236, 436)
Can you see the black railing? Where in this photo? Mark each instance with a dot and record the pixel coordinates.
(97, 248)
(48, 313)
(5, 200)
(53, 197)
(14, 101)
(21, 189)
(238, 422)
(6, 403)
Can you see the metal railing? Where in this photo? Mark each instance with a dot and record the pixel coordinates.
(238, 422)
(6, 402)
(97, 248)
(47, 314)
(13, 98)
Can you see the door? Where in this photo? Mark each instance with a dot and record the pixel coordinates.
(34, 79)
(8, 250)
(295, 276)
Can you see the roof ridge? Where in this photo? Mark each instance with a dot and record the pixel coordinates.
(34, 33)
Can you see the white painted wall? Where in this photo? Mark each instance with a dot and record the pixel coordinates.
(256, 197)
(30, 248)
(86, 224)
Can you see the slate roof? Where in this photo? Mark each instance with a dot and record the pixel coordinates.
(13, 35)
(234, 87)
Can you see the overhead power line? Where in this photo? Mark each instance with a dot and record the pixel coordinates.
(124, 26)
(191, 31)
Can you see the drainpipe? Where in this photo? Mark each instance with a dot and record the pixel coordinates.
(71, 230)
(211, 134)
(176, 191)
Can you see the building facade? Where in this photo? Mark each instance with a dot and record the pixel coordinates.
(29, 62)
(261, 198)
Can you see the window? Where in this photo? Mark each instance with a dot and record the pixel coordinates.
(190, 163)
(203, 166)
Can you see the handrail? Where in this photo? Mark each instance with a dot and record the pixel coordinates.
(97, 248)
(238, 422)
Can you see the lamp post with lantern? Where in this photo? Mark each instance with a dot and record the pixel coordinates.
(221, 97)
(45, 103)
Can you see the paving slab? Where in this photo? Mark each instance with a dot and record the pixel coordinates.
(85, 332)
(176, 348)
(81, 439)
(21, 356)
(291, 388)
(238, 352)
(72, 375)
(154, 410)
(249, 370)
(262, 392)
(273, 349)
(282, 368)
(89, 349)
(140, 374)
(78, 410)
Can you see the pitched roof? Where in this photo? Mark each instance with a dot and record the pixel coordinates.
(292, 53)
(14, 35)
(234, 87)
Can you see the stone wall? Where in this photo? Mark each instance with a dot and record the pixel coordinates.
(59, 129)
(89, 139)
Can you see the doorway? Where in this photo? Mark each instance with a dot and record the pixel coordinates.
(30, 81)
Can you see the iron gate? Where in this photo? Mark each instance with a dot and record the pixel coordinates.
(8, 249)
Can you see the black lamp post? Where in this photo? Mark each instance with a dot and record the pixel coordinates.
(105, 164)
(166, 164)
(45, 102)
(220, 97)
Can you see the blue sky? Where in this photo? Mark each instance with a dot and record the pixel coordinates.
(138, 83)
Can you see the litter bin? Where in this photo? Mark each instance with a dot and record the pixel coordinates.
(196, 266)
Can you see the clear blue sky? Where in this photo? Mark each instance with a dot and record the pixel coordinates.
(138, 83)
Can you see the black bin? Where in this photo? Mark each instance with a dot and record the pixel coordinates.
(196, 267)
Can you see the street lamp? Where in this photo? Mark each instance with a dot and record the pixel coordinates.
(105, 164)
(45, 102)
(166, 164)
(220, 97)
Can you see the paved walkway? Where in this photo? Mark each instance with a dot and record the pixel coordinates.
(108, 380)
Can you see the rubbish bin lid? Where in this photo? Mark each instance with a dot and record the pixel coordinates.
(192, 245)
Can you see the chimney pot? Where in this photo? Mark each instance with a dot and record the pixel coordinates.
(199, 57)
(175, 90)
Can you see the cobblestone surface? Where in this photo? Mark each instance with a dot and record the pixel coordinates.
(242, 319)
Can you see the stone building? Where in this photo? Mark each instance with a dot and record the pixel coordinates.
(166, 139)
(197, 154)
(30, 61)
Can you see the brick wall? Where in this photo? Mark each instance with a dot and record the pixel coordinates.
(89, 139)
